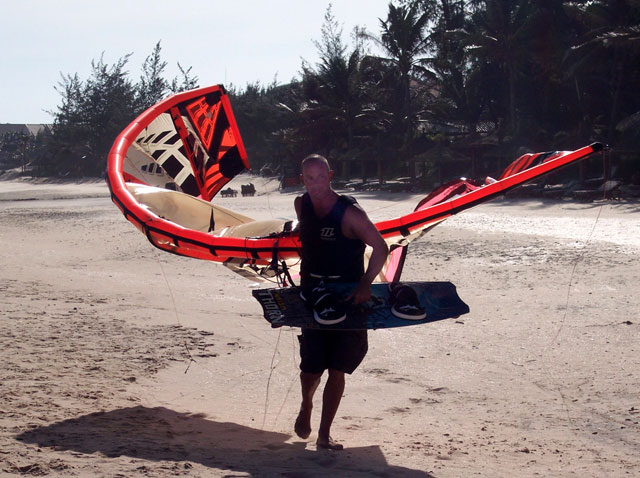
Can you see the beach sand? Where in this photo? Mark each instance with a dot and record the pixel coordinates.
(122, 360)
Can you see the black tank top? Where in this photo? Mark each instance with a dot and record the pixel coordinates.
(325, 250)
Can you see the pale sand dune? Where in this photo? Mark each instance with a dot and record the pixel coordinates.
(121, 360)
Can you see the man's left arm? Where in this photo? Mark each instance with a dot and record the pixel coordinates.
(359, 226)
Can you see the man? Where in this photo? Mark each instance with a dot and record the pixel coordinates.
(333, 231)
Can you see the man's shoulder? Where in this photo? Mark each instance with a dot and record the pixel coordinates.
(348, 199)
(350, 204)
(353, 214)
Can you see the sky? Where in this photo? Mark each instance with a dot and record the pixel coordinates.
(233, 43)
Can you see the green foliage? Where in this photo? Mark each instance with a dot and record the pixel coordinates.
(265, 115)
(440, 81)
(152, 86)
(91, 115)
(14, 149)
(186, 82)
(93, 112)
(334, 92)
(405, 44)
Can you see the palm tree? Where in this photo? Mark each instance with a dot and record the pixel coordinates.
(334, 92)
(607, 55)
(458, 79)
(404, 44)
(499, 37)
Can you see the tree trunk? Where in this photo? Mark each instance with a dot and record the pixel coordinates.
(616, 85)
(512, 100)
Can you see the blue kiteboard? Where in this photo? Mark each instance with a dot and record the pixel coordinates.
(285, 307)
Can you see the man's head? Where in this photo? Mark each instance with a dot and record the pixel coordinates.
(316, 174)
(314, 159)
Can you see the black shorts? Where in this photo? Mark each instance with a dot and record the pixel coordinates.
(341, 350)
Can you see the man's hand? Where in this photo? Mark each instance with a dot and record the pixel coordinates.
(361, 294)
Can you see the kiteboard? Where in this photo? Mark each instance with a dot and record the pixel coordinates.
(285, 307)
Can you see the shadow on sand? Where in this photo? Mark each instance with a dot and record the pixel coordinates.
(160, 434)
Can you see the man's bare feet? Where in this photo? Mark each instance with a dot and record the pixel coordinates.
(303, 424)
(328, 444)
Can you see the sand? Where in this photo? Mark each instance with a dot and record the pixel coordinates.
(121, 360)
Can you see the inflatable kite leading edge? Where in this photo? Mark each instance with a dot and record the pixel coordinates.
(165, 168)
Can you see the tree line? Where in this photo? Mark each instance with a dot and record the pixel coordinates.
(439, 86)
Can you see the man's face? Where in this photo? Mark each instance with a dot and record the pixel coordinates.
(316, 177)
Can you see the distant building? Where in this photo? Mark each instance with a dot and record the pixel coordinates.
(12, 136)
(31, 129)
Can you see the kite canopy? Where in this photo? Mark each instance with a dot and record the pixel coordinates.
(167, 165)
(165, 168)
(461, 194)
